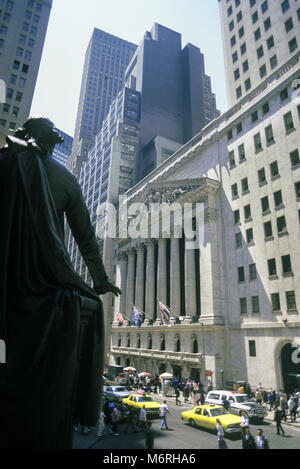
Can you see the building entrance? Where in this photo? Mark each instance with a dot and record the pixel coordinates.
(177, 371)
(290, 366)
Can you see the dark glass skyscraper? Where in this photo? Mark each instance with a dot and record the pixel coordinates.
(106, 59)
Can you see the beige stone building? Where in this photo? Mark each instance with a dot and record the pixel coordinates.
(23, 27)
(237, 295)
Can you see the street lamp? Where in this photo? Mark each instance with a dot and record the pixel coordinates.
(222, 377)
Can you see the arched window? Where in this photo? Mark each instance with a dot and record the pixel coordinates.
(149, 342)
(178, 345)
(138, 342)
(194, 346)
(162, 343)
(118, 361)
(128, 341)
(119, 341)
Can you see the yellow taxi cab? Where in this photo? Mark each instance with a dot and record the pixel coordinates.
(206, 416)
(138, 401)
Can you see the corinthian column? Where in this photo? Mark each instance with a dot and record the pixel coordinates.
(130, 288)
(139, 281)
(122, 273)
(190, 283)
(162, 272)
(175, 276)
(150, 279)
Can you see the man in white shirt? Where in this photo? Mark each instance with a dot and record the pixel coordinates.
(261, 441)
(163, 410)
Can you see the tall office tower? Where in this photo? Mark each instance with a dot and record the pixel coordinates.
(109, 169)
(106, 59)
(177, 101)
(63, 151)
(258, 38)
(166, 100)
(23, 26)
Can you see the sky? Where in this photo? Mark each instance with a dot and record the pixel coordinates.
(70, 28)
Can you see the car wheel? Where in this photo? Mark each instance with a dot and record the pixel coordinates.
(192, 422)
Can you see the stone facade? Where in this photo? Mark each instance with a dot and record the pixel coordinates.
(258, 38)
(227, 296)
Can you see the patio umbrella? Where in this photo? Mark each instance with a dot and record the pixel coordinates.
(166, 376)
(144, 373)
(129, 368)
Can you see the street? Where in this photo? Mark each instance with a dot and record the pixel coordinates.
(181, 436)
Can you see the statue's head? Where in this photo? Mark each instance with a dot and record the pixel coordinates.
(43, 131)
(42, 128)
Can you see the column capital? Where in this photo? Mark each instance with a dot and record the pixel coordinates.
(140, 247)
(150, 242)
(131, 251)
(122, 256)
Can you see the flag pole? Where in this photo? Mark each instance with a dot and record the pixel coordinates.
(169, 309)
(116, 311)
(143, 312)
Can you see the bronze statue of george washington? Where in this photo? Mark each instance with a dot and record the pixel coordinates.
(52, 373)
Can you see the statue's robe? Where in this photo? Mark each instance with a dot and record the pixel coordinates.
(40, 303)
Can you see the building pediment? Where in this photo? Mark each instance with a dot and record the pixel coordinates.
(180, 191)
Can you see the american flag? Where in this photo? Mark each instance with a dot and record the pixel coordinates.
(136, 316)
(165, 313)
(119, 317)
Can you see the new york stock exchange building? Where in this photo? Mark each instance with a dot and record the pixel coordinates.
(229, 272)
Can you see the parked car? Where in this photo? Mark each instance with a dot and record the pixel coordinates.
(138, 401)
(116, 391)
(238, 403)
(206, 416)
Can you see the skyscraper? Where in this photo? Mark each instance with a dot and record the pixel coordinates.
(166, 100)
(23, 26)
(106, 59)
(63, 151)
(177, 101)
(258, 38)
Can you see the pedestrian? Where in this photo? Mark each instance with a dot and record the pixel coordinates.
(283, 406)
(220, 434)
(186, 392)
(226, 403)
(101, 425)
(277, 419)
(130, 420)
(115, 419)
(258, 396)
(261, 441)
(143, 418)
(163, 411)
(244, 422)
(241, 389)
(177, 395)
(149, 437)
(248, 441)
(271, 399)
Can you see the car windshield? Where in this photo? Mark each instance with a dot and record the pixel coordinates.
(217, 412)
(144, 399)
(241, 399)
(119, 389)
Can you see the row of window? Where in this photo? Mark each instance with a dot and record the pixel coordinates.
(288, 120)
(272, 269)
(265, 206)
(293, 45)
(275, 301)
(285, 5)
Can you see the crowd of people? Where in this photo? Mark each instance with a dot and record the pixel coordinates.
(282, 404)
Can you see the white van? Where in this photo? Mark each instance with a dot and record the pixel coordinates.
(238, 403)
